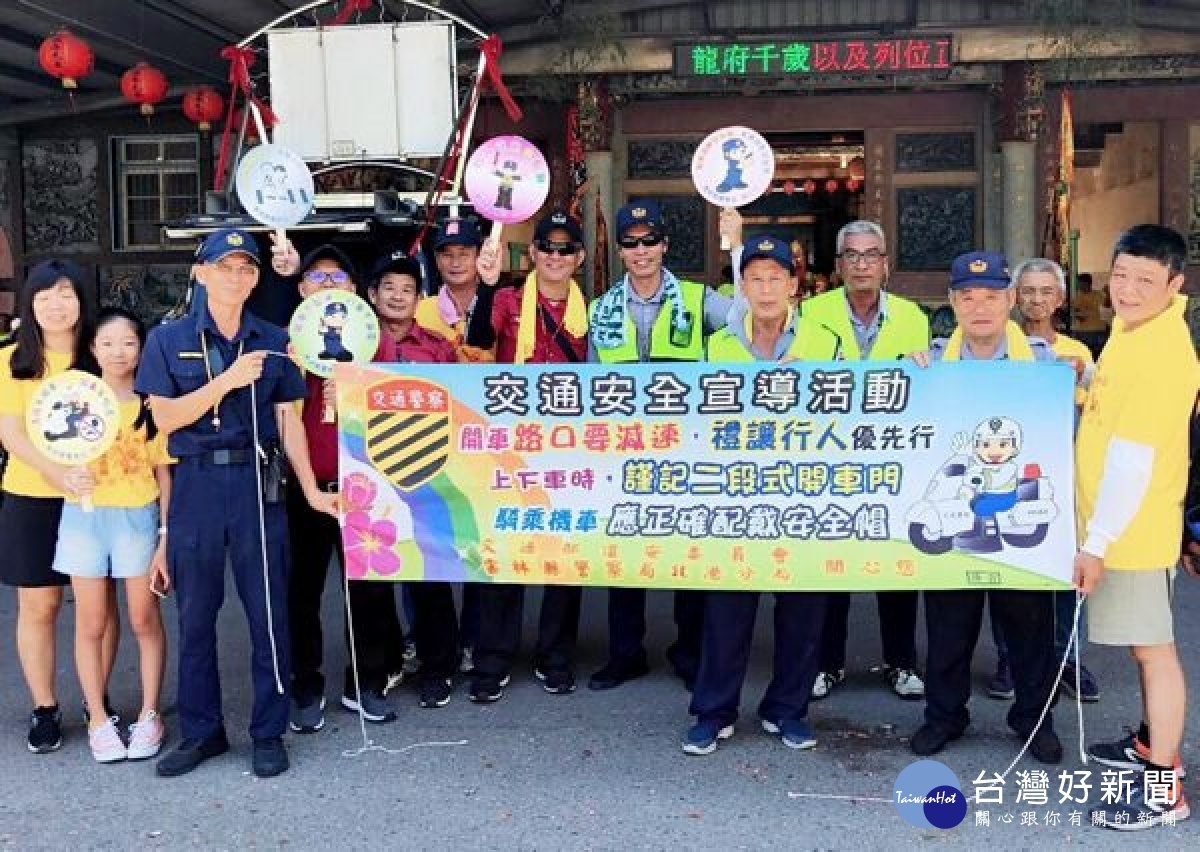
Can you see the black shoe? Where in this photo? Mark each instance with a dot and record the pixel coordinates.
(556, 681)
(614, 673)
(270, 757)
(191, 753)
(435, 691)
(930, 740)
(487, 690)
(1045, 746)
(45, 730)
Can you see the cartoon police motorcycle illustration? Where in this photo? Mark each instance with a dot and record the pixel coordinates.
(978, 500)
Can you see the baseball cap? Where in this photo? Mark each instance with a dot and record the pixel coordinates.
(987, 269)
(642, 212)
(769, 248)
(328, 251)
(457, 232)
(558, 220)
(399, 262)
(225, 242)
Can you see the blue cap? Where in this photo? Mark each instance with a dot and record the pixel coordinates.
(986, 269)
(769, 248)
(457, 232)
(641, 212)
(225, 242)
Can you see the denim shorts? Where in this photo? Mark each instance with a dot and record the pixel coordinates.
(106, 542)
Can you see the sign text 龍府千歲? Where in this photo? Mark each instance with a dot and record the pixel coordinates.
(813, 58)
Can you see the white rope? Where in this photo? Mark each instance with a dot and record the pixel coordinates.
(369, 745)
(262, 538)
(1072, 644)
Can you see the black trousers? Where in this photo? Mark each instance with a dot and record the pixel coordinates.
(953, 619)
(728, 635)
(378, 637)
(897, 630)
(501, 614)
(627, 628)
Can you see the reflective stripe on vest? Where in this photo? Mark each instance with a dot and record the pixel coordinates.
(661, 347)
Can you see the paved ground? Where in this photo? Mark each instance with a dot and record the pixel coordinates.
(587, 771)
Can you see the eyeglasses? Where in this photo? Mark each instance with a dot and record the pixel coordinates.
(317, 276)
(646, 240)
(559, 248)
(870, 257)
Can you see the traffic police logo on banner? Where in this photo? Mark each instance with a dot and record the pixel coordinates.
(408, 430)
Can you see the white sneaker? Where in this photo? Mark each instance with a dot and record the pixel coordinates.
(825, 683)
(106, 743)
(146, 736)
(906, 683)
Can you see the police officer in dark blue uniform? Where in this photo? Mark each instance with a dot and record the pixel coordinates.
(221, 387)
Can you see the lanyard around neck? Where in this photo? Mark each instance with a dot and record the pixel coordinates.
(208, 371)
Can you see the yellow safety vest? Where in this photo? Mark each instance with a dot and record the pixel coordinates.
(904, 330)
(662, 348)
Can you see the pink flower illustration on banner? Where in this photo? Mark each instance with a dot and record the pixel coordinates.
(369, 544)
(358, 493)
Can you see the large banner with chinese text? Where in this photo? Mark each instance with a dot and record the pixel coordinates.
(801, 476)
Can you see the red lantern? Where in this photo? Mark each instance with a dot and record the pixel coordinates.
(810, 186)
(789, 186)
(145, 85)
(66, 56)
(831, 185)
(853, 184)
(203, 105)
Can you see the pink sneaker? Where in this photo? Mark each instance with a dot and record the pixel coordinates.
(146, 736)
(106, 743)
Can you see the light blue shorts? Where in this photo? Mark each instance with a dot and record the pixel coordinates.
(106, 542)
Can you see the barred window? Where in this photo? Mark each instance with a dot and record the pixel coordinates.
(156, 179)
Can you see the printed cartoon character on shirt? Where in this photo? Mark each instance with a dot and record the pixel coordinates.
(736, 154)
(333, 324)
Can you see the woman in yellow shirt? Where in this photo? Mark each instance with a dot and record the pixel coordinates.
(57, 313)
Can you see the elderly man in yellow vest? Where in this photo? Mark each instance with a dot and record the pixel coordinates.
(874, 325)
(650, 315)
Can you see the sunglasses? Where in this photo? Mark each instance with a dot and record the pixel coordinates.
(316, 276)
(646, 240)
(561, 249)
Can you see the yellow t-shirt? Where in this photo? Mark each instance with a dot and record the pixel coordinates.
(125, 474)
(1069, 347)
(1143, 391)
(15, 396)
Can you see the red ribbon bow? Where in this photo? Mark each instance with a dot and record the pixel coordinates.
(491, 48)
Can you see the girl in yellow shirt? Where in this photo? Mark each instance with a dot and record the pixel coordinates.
(121, 538)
